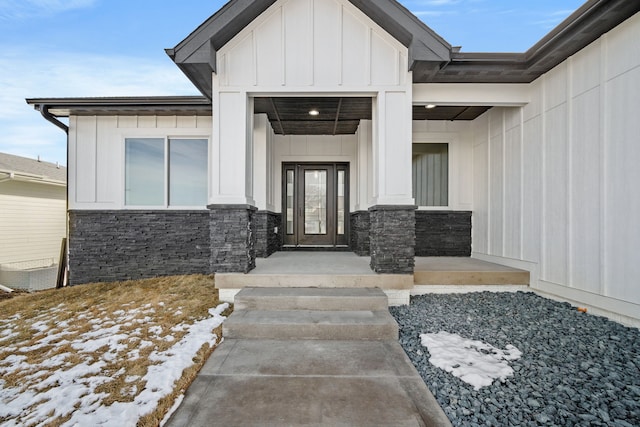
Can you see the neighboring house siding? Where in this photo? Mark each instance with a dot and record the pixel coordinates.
(556, 182)
(32, 221)
(121, 245)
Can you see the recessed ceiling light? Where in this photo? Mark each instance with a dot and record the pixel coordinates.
(314, 112)
(430, 106)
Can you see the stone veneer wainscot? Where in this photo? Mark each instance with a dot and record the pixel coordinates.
(113, 245)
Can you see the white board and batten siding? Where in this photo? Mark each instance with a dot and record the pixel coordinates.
(458, 135)
(307, 48)
(556, 182)
(32, 221)
(96, 153)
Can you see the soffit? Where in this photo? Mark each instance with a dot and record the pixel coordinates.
(341, 115)
(287, 115)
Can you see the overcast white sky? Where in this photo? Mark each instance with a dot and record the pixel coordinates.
(61, 48)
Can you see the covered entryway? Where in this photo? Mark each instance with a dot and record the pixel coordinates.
(315, 205)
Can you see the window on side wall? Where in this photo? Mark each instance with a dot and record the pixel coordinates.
(430, 168)
(163, 172)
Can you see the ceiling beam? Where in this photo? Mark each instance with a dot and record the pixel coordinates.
(464, 110)
(335, 125)
(275, 111)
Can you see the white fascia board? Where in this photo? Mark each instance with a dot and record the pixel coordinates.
(472, 94)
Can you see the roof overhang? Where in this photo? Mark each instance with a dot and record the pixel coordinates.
(584, 26)
(431, 58)
(196, 55)
(109, 106)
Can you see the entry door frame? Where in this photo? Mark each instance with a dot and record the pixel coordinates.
(295, 236)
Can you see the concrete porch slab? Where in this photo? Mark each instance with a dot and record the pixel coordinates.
(466, 271)
(313, 269)
(347, 270)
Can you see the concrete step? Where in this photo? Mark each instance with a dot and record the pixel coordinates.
(323, 299)
(311, 325)
(313, 280)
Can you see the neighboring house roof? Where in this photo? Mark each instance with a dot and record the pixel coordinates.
(25, 169)
(431, 58)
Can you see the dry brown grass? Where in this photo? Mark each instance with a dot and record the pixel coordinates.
(140, 316)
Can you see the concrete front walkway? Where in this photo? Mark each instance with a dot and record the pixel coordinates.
(308, 383)
(314, 366)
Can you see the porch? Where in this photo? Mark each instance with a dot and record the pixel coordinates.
(348, 270)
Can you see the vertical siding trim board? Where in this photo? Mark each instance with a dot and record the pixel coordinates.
(114, 245)
(604, 144)
(392, 238)
(443, 233)
(233, 238)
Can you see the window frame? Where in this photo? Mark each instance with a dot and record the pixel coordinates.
(440, 138)
(166, 172)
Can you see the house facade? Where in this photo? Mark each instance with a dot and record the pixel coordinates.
(350, 125)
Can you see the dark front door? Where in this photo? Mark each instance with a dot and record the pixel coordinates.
(315, 203)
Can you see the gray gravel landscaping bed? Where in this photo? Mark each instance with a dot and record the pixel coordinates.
(576, 369)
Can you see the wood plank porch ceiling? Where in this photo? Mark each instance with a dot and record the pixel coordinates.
(341, 115)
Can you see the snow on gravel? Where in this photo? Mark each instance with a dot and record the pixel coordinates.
(474, 362)
(71, 389)
(575, 369)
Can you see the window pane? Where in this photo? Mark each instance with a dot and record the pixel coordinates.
(341, 175)
(144, 171)
(315, 202)
(430, 168)
(188, 172)
(289, 213)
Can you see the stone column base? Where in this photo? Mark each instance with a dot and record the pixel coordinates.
(268, 231)
(360, 229)
(233, 238)
(392, 239)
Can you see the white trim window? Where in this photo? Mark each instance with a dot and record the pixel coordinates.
(430, 171)
(166, 172)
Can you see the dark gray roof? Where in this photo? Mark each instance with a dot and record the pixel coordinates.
(431, 58)
(593, 19)
(36, 169)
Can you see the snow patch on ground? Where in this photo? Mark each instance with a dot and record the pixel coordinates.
(474, 362)
(73, 391)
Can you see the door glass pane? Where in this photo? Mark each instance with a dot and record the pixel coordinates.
(188, 172)
(315, 202)
(289, 201)
(340, 200)
(144, 172)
